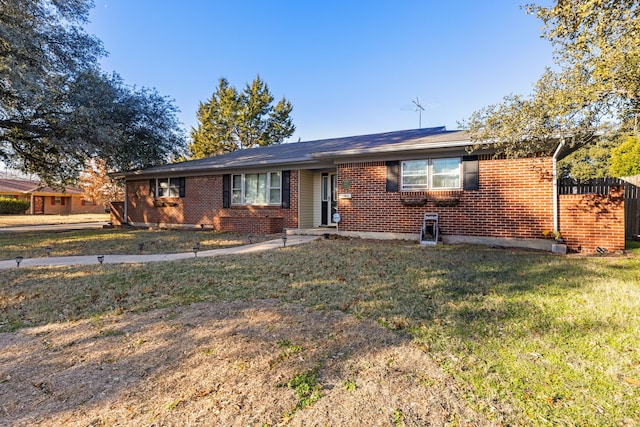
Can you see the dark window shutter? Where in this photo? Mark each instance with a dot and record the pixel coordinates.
(53, 200)
(392, 176)
(226, 191)
(152, 188)
(471, 173)
(83, 202)
(286, 190)
(181, 183)
(62, 200)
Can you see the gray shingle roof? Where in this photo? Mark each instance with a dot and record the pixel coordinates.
(26, 186)
(315, 152)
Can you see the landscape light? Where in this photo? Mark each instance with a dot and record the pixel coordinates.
(250, 239)
(100, 259)
(140, 247)
(284, 240)
(19, 260)
(195, 251)
(48, 250)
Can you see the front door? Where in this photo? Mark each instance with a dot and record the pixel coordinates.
(38, 205)
(329, 191)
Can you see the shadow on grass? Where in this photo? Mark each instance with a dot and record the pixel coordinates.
(455, 300)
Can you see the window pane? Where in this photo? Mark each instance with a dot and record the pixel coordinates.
(414, 166)
(446, 181)
(325, 188)
(415, 181)
(250, 188)
(262, 189)
(174, 187)
(274, 196)
(446, 166)
(237, 182)
(415, 174)
(163, 187)
(236, 197)
(255, 189)
(446, 173)
(274, 180)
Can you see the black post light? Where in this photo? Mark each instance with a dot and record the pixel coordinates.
(19, 260)
(100, 259)
(284, 240)
(48, 250)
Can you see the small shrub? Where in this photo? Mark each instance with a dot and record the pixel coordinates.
(13, 206)
(349, 385)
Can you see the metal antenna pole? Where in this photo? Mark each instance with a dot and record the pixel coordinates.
(419, 109)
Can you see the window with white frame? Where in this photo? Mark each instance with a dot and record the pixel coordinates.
(256, 188)
(431, 174)
(167, 187)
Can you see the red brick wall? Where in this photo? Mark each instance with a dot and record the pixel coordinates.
(515, 200)
(588, 221)
(53, 209)
(78, 207)
(202, 204)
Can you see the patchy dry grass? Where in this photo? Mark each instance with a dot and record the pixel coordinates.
(531, 338)
(122, 241)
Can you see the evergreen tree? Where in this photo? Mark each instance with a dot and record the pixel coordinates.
(233, 120)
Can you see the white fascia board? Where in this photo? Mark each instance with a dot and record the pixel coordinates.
(396, 148)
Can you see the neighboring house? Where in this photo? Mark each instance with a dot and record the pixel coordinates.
(47, 200)
(381, 186)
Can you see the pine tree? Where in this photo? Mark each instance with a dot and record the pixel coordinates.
(232, 120)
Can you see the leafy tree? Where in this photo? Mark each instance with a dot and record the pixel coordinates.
(625, 158)
(233, 120)
(96, 184)
(57, 108)
(597, 53)
(591, 161)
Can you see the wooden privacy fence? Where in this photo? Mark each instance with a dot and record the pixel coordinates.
(601, 186)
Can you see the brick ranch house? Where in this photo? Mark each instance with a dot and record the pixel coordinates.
(381, 186)
(46, 200)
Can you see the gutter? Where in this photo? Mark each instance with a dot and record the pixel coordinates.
(556, 209)
(126, 205)
(393, 148)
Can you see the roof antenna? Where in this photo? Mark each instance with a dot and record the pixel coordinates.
(419, 109)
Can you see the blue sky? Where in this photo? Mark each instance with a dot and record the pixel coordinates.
(348, 67)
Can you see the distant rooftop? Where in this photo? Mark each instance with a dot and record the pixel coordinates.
(26, 186)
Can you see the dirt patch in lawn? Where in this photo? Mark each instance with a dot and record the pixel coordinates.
(229, 364)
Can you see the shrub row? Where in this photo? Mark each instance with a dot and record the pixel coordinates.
(13, 206)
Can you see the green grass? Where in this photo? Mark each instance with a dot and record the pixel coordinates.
(114, 241)
(531, 338)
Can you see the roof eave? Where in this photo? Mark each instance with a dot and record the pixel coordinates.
(395, 148)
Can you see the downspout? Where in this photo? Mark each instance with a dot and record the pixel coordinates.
(556, 209)
(126, 209)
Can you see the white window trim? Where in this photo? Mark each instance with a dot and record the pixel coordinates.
(429, 186)
(158, 196)
(268, 189)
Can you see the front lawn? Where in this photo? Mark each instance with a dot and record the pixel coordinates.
(530, 338)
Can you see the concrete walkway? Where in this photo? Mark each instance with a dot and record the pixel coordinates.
(136, 259)
(53, 227)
